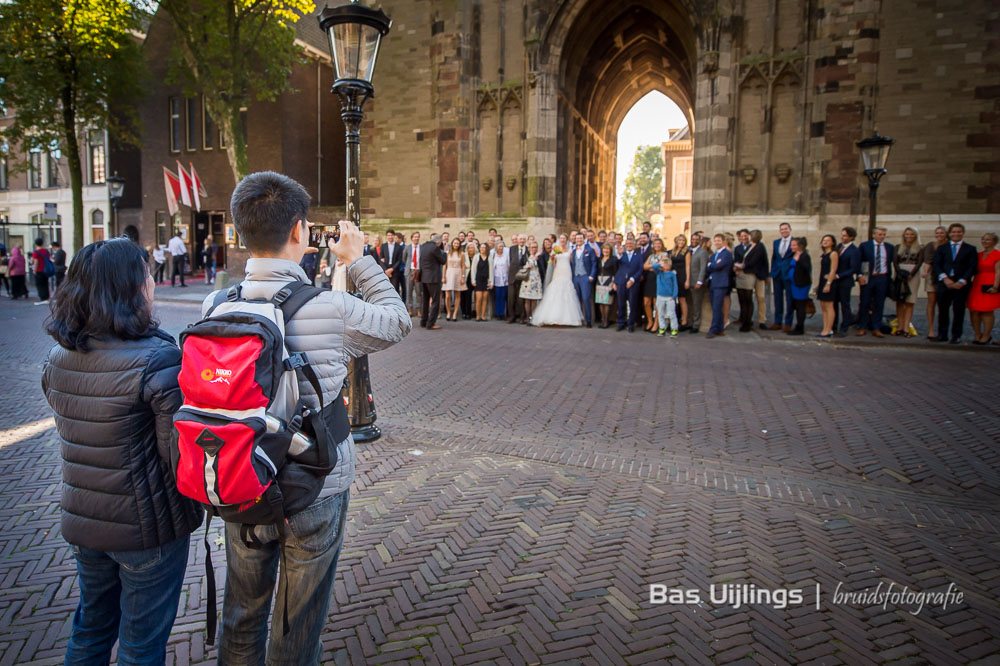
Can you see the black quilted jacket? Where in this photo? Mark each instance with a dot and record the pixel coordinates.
(113, 409)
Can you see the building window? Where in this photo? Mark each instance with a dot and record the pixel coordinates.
(208, 127)
(98, 166)
(53, 160)
(682, 177)
(162, 229)
(35, 169)
(243, 126)
(191, 123)
(97, 225)
(175, 124)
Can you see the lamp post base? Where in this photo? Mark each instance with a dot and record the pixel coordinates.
(360, 402)
(368, 433)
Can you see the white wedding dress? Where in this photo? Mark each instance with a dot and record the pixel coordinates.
(559, 305)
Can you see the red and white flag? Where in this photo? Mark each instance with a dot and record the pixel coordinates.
(185, 179)
(172, 186)
(197, 188)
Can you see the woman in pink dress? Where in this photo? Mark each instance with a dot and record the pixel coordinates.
(984, 299)
(454, 279)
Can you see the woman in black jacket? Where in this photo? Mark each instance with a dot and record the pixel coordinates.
(800, 272)
(112, 383)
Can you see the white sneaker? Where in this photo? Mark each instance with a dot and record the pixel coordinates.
(41, 302)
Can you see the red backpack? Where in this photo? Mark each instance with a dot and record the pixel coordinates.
(242, 420)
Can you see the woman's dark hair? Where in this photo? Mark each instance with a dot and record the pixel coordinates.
(833, 242)
(801, 240)
(103, 295)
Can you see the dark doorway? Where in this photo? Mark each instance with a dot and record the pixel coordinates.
(210, 223)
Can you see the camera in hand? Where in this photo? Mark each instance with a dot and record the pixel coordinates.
(321, 234)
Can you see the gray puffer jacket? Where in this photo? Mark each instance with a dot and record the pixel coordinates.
(331, 328)
(114, 408)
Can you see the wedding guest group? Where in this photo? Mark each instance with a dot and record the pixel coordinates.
(609, 278)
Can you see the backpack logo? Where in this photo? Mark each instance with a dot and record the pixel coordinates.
(209, 441)
(217, 376)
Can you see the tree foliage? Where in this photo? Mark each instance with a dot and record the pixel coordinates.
(68, 66)
(232, 51)
(643, 184)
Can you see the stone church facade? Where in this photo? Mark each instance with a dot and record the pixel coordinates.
(505, 112)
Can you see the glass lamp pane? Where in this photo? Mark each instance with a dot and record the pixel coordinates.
(354, 47)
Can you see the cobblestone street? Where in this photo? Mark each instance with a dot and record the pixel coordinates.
(532, 484)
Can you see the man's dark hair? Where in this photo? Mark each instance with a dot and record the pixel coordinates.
(956, 225)
(644, 234)
(39, 242)
(742, 231)
(55, 244)
(265, 205)
(103, 295)
(390, 231)
(493, 230)
(851, 232)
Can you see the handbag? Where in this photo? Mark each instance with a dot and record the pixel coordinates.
(523, 274)
(746, 280)
(810, 307)
(602, 294)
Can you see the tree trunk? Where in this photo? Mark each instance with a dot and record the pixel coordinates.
(236, 142)
(75, 165)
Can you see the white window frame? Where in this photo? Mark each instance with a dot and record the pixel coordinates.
(677, 185)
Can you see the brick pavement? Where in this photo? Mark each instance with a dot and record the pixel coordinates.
(563, 472)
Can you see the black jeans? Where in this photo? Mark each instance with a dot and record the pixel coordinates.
(178, 269)
(431, 303)
(42, 286)
(746, 308)
(800, 314)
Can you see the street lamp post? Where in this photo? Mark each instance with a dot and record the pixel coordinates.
(355, 33)
(875, 154)
(116, 188)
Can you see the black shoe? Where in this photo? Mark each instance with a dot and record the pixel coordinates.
(710, 335)
(841, 334)
(941, 338)
(685, 327)
(620, 328)
(631, 329)
(796, 331)
(745, 329)
(955, 341)
(763, 327)
(693, 331)
(588, 324)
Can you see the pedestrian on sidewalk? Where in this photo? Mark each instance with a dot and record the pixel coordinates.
(178, 254)
(17, 268)
(121, 512)
(41, 266)
(4, 269)
(160, 263)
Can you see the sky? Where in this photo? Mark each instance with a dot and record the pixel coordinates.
(647, 123)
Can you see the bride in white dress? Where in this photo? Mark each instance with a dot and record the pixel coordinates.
(559, 305)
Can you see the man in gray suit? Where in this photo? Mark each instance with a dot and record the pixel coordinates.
(432, 258)
(411, 268)
(699, 261)
(518, 257)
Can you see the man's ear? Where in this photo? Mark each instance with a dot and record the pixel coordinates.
(294, 236)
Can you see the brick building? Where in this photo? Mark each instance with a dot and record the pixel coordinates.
(506, 111)
(299, 134)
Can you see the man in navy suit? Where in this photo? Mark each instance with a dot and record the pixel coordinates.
(391, 260)
(955, 265)
(583, 263)
(875, 282)
(627, 284)
(717, 276)
(848, 269)
(781, 261)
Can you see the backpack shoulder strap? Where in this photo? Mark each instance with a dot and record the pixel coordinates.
(290, 298)
(232, 294)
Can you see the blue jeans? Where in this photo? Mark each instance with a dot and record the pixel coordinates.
(783, 308)
(583, 289)
(130, 597)
(500, 301)
(308, 555)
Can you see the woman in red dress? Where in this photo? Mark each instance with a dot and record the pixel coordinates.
(984, 299)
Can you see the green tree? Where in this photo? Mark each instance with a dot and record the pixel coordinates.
(643, 184)
(66, 67)
(230, 51)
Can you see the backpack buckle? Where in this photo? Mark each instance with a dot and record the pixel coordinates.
(281, 296)
(233, 294)
(296, 361)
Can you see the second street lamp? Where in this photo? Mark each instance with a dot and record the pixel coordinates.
(116, 188)
(355, 33)
(875, 155)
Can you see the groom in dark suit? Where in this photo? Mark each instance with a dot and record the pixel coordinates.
(627, 284)
(583, 263)
(955, 264)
